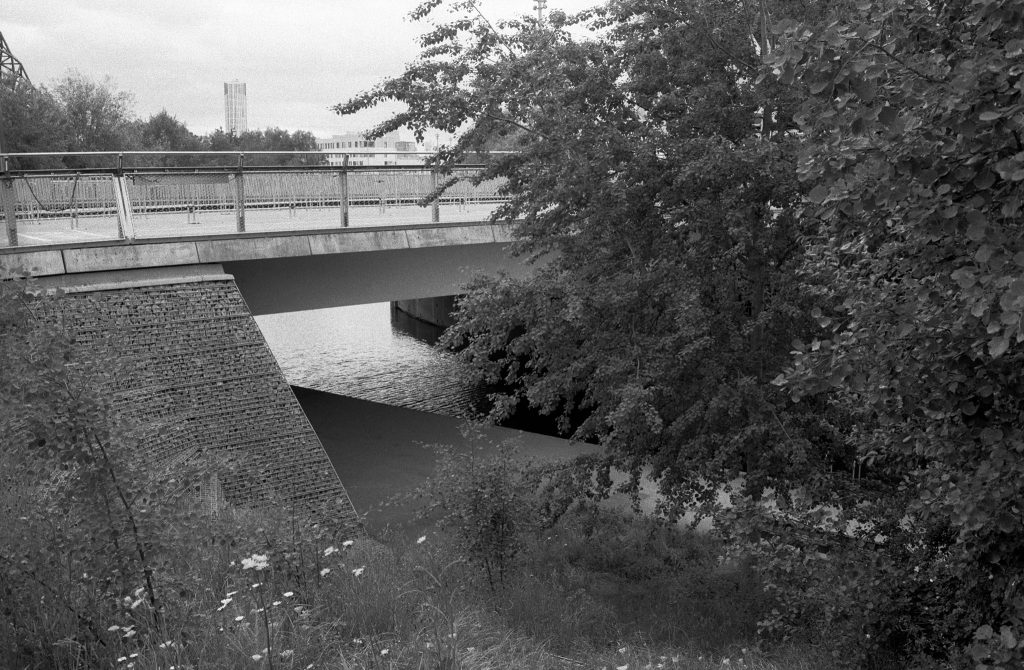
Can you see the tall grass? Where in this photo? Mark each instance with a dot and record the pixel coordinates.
(256, 590)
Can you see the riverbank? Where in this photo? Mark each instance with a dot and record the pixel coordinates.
(381, 451)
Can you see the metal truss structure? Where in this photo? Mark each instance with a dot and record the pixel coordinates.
(12, 72)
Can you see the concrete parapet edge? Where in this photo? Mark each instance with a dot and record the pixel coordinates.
(182, 252)
(121, 279)
(37, 263)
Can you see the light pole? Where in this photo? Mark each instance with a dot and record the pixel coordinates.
(540, 6)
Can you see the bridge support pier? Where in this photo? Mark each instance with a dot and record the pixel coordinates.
(435, 311)
(196, 360)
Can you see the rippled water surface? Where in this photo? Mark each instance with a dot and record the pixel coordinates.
(368, 352)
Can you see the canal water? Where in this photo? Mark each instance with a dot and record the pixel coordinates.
(378, 394)
(370, 352)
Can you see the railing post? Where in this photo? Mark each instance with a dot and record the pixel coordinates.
(125, 220)
(240, 196)
(435, 208)
(10, 204)
(343, 190)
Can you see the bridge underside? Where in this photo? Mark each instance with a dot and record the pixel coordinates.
(179, 313)
(291, 284)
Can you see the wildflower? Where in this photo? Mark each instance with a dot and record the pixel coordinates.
(275, 603)
(239, 617)
(224, 603)
(287, 653)
(471, 649)
(421, 540)
(385, 652)
(622, 667)
(330, 550)
(358, 571)
(257, 657)
(323, 573)
(255, 562)
(347, 543)
(135, 655)
(287, 594)
(136, 603)
(129, 633)
(122, 659)
(357, 640)
(622, 650)
(114, 627)
(230, 593)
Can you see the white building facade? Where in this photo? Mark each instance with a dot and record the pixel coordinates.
(235, 118)
(387, 150)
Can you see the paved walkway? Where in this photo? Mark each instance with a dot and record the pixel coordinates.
(183, 224)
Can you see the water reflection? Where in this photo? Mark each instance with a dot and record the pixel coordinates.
(371, 352)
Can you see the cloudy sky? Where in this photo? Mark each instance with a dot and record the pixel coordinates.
(297, 57)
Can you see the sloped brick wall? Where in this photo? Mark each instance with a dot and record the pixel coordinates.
(195, 362)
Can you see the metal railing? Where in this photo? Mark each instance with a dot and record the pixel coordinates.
(60, 198)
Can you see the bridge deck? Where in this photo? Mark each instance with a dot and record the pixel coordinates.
(65, 230)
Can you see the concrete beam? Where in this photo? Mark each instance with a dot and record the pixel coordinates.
(119, 255)
(123, 279)
(130, 256)
(36, 263)
(217, 251)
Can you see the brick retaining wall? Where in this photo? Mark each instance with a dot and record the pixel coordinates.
(195, 361)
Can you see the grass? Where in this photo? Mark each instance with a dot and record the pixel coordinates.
(596, 591)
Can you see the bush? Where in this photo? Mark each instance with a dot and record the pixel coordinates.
(489, 500)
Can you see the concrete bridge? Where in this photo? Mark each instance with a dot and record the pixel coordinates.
(178, 308)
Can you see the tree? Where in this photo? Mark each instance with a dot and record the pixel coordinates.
(163, 132)
(269, 139)
(917, 166)
(96, 116)
(663, 202)
(32, 122)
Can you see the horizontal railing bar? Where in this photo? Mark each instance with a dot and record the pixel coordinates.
(231, 169)
(133, 152)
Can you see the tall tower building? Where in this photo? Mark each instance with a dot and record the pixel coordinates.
(234, 108)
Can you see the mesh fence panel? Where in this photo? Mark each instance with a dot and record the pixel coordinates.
(63, 208)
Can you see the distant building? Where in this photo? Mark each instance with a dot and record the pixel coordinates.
(235, 120)
(387, 150)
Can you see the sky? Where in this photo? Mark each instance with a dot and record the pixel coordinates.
(297, 57)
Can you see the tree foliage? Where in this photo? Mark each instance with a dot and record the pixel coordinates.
(780, 248)
(915, 118)
(647, 176)
(269, 139)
